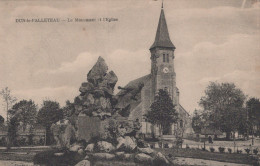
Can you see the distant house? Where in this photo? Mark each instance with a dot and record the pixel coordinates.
(3, 134)
(206, 132)
(36, 135)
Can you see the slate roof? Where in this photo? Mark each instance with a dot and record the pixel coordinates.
(162, 38)
(184, 109)
(131, 95)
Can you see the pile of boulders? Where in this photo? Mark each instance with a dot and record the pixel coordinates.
(63, 133)
(125, 150)
(96, 95)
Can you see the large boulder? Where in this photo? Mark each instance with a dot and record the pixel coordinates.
(98, 71)
(75, 148)
(81, 151)
(86, 87)
(111, 79)
(124, 156)
(59, 154)
(83, 163)
(143, 158)
(105, 103)
(119, 153)
(90, 148)
(88, 99)
(107, 90)
(146, 150)
(101, 115)
(126, 143)
(103, 156)
(104, 146)
(159, 158)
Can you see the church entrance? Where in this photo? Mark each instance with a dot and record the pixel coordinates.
(167, 130)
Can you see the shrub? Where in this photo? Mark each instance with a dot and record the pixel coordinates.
(239, 151)
(166, 145)
(212, 149)
(229, 150)
(255, 151)
(204, 149)
(3, 141)
(82, 143)
(41, 142)
(48, 158)
(221, 149)
(140, 144)
(152, 139)
(30, 139)
(116, 128)
(187, 146)
(179, 142)
(247, 150)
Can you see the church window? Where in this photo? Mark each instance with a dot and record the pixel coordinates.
(167, 90)
(167, 57)
(181, 123)
(163, 57)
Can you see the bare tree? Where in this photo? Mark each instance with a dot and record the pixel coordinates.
(8, 99)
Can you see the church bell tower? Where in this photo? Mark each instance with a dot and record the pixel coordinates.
(162, 61)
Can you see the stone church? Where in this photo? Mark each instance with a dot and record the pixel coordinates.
(138, 95)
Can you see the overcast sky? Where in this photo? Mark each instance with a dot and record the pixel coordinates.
(216, 40)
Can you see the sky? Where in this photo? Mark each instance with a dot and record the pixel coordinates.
(216, 40)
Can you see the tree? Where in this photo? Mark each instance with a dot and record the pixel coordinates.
(162, 112)
(253, 114)
(2, 120)
(12, 131)
(68, 109)
(8, 99)
(49, 113)
(25, 112)
(197, 121)
(224, 105)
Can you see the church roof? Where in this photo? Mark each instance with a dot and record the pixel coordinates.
(131, 93)
(162, 38)
(184, 109)
(135, 83)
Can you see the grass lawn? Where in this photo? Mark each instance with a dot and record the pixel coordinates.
(17, 157)
(199, 154)
(117, 163)
(20, 153)
(239, 143)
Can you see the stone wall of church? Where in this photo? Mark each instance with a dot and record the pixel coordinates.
(146, 97)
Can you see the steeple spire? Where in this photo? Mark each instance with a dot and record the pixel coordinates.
(162, 4)
(162, 38)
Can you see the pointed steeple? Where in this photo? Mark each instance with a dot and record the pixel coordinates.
(162, 38)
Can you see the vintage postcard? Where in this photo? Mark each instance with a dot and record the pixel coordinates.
(132, 82)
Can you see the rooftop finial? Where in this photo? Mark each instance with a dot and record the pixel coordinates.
(162, 4)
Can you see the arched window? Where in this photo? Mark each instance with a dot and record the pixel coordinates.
(167, 90)
(167, 57)
(163, 57)
(181, 123)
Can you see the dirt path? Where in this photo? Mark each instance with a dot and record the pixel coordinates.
(15, 163)
(201, 162)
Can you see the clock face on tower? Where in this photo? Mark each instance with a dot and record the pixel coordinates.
(165, 70)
